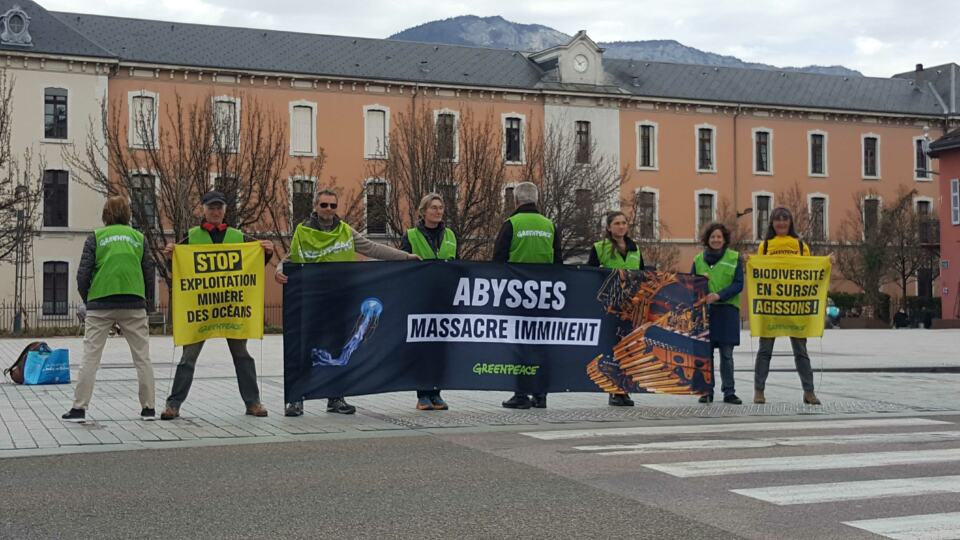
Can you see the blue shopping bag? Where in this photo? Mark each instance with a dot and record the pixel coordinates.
(47, 366)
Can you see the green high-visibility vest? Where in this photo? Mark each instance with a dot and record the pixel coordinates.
(199, 235)
(421, 247)
(610, 257)
(532, 240)
(117, 270)
(720, 275)
(314, 246)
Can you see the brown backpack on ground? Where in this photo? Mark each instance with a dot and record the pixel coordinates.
(15, 372)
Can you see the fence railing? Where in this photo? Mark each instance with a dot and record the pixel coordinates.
(65, 315)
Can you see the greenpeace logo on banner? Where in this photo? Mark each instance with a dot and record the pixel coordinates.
(311, 254)
(502, 329)
(529, 232)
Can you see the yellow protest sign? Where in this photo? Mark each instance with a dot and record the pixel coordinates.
(788, 295)
(217, 292)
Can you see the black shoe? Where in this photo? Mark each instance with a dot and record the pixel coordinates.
(620, 400)
(518, 401)
(294, 408)
(706, 398)
(539, 401)
(148, 413)
(75, 415)
(339, 406)
(732, 398)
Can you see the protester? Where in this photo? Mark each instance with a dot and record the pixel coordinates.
(781, 239)
(324, 237)
(527, 237)
(724, 270)
(431, 239)
(617, 250)
(213, 230)
(901, 320)
(110, 279)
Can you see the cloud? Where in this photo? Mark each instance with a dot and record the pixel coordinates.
(867, 45)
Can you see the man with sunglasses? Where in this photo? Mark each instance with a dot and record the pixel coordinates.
(324, 237)
(213, 230)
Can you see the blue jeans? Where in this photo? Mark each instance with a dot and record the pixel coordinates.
(726, 369)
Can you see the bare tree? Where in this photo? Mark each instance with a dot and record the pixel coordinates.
(651, 237)
(577, 185)
(907, 254)
(165, 162)
(457, 157)
(795, 200)
(740, 239)
(864, 253)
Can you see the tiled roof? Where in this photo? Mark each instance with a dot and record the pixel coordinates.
(50, 35)
(945, 78)
(950, 141)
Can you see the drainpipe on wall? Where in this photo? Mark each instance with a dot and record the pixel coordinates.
(736, 207)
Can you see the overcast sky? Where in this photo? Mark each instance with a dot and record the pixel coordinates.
(878, 37)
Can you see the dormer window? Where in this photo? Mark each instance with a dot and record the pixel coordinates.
(15, 28)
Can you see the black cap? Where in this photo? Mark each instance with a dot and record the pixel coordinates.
(213, 197)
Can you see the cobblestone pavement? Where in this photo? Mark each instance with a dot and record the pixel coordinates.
(30, 415)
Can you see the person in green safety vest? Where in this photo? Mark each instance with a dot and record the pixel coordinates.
(213, 230)
(324, 237)
(617, 250)
(110, 280)
(431, 240)
(527, 237)
(723, 268)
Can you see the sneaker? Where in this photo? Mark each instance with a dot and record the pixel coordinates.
(438, 403)
(294, 408)
(257, 409)
(170, 412)
(75, 415)
(732, 398)
(339, 406)
(539, 401)
(424, 404)
(620, 400)
(148, 413)
(706, 398)
(518, 401)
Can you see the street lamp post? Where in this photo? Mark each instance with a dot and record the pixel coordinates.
(19, 254)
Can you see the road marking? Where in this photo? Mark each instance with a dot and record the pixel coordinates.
(726, 428)
(689, 469)
(853, 491)
(924, 527)
(766, 442)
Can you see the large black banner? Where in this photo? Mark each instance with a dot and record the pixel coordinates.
(370, 327)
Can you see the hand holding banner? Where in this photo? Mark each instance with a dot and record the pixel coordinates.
(217, 292)
(788, 295)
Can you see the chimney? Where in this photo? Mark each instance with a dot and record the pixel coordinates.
(919, 67)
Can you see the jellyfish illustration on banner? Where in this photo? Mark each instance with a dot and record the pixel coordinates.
(370, 310)
(664, 345)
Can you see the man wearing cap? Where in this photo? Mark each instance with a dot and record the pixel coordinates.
(324, 237)
(212, 230)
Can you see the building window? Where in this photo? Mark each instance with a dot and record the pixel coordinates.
(955, 201)
(226, 124)
(509, 202)
(55, 288)
(705, 210)
(761, 152)
(871, 216)
(447, 136)
(375, 133)
(761, 209)
(54, 113)
(513, 140)
(55, 198)
(583, 214)
(818, 154)
(646, 214)
(302, 200)
(376, 201)
(871, 158)
(647, 146)
(922, 169)
(818, 219)
(143, 201)
(706, 150)
(143, 120)
(303, 130)
(449, 192)
(583, 142)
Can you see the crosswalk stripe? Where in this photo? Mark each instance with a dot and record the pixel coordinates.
(805, 463)
(766, 442)
(852, 491)
(923, 527)
(726, 428)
